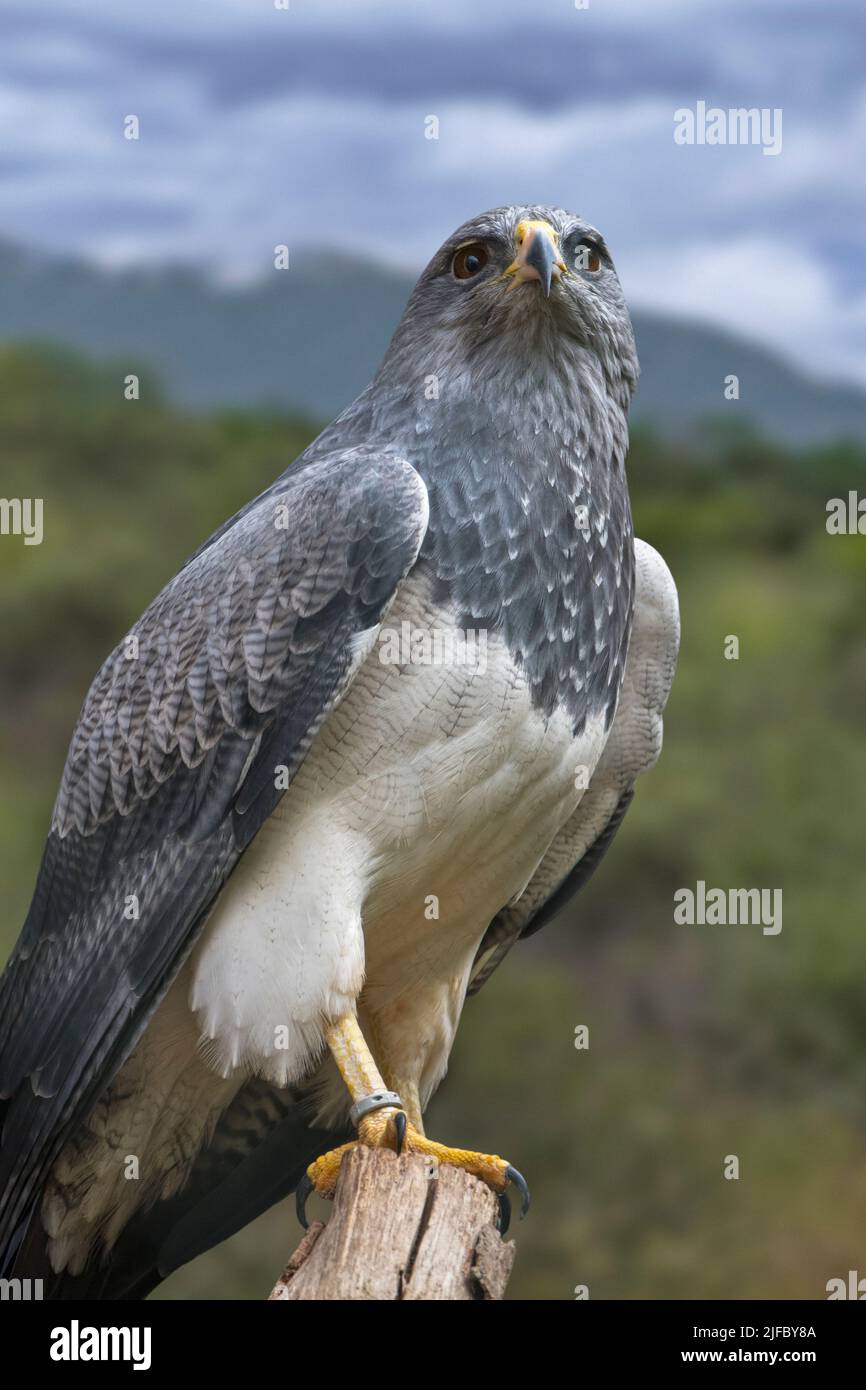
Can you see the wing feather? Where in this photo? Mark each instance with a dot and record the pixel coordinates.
(171, 772)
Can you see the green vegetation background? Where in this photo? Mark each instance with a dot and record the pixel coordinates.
(704, 1041)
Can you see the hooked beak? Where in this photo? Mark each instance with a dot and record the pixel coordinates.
(537, 256)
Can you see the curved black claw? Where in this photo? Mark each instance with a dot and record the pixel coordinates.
(302, 1192)
(504, 1218)
(520, 1183)
(400, 1126)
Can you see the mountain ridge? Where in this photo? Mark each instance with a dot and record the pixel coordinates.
(311, 339)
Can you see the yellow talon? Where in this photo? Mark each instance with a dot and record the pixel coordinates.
(490, 1168)
(322, 1174)
(389, 1127)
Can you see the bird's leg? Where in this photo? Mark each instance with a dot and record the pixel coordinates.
(383, 1125)
(382, 1121)
(408, 1091)
(379, 1124)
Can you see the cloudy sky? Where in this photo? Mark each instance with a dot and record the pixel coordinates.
(261, 125)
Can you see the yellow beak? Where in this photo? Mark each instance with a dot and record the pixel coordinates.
(538, 256)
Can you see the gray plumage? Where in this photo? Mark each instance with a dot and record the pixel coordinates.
(170, 773)
(481, 475)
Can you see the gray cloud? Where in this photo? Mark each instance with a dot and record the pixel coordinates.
(260, 126)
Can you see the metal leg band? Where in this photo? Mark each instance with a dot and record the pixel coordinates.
(377, 1100)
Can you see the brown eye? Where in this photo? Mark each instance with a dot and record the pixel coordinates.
(469, 260)
(588, 257)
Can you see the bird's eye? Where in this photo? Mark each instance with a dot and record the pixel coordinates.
(587, 257)
(469, 260)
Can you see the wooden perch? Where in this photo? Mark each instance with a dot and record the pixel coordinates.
(402, 1228)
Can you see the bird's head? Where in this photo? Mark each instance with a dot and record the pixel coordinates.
(519, 290)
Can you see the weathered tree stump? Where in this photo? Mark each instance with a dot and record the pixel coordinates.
(402, 1228)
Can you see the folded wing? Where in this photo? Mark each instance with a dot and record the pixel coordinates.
(227, 676)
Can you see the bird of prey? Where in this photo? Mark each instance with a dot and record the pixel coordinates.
(286, 846)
